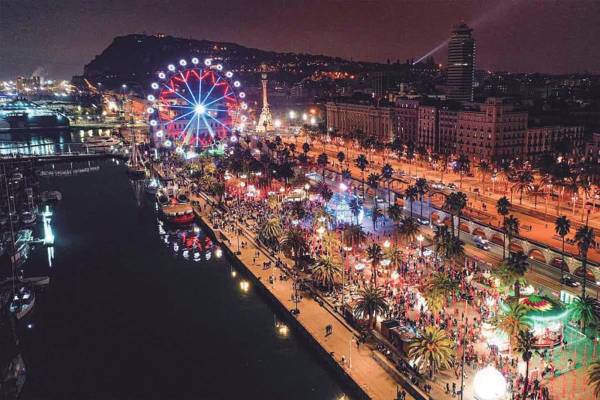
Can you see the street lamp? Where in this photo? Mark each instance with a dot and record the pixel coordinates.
(292, 115)
(387, 244)
(343, 187)
(277, 123)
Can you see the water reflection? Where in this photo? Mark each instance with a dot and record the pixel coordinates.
(189, 243)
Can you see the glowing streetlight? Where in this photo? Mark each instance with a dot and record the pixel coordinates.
(277, 123)
(292, 114)
(387, 244)
(304, 117)
(420, 239)
(244, 286)
(321, 231)
(313, 121)
(343, 187)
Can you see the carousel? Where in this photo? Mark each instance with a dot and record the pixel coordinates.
(547, 318)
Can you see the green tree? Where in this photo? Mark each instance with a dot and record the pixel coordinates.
(411, 194)
(361, 163)
(512, 321)
(387, 173)
(422, 188)
(585, 238)
(354, 235)
(375, 254)
(594, 377)
(523, 184)
(326, 270)
(371, 302)
(322, 161)
(523, 345)
(485, 169)
(270, 232)
(582, 310)
(294, 245)
(511, 228)
(432, 351)
(454, 204)
(409, 229)
(503, 208)
(562, 227)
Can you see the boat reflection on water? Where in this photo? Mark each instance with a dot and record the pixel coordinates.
(189, 242)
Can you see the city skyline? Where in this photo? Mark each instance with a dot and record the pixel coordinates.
(359, 30)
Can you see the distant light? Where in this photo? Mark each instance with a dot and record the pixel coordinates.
(150, 110)
(159, 134)
(171, 67)
(242, 95)
(292, 114)
(195, 60)
(162, 75)
(244, 106)
(218, 252)
(182, 62)
(343, 187)
(207, 62)
(245, 286)
(154, 85)
(167, 143)
(237, 84)
(151, 97)
(153, 122)
(228, 74)
(277, 123)
(219, 67)
(489, 384)
(313, 120)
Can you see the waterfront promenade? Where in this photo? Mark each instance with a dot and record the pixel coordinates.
(368, 369)
(360, 363)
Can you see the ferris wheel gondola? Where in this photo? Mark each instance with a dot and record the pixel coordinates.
(196, 105)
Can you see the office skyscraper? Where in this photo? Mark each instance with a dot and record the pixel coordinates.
(461, 66)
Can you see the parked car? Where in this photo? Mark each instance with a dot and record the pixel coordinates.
(569, 281)
(481, 243)
(438, 185)
(423, 221)
(451, 186)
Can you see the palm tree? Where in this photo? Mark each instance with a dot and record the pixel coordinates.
(409, 229)
(582, 310)
(373, 182)
(432, 351)
(523, 184)
(395, 255)
(594, 377)
(523, 345)
(441, 239)
(585, 239)
(454, 204)
(305, 148)
(294, 244)
(371, 302)
(270, 231)
(503, 208)
(462, 165)
(484, 168)
(341, 156)
(387, 172)
(438, 288)
(395, 213)
(511, 229)
(422, 188)
(411, 193)
(562, 227)
(517, 265)
(361, 163)
(322, 161)
(354, 235)
(346, 174)
(355, 206)
(326, 270)
(512, 321)
(376, 255)
(376, 213)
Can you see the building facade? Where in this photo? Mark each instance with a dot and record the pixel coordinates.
(373, 121)
(549, 139)
(461, 67)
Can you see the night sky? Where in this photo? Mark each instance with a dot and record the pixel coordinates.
(60, 36)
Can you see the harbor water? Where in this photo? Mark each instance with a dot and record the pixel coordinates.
(130, 313)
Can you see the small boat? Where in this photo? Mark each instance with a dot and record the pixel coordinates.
(135, 165)
(28, 217)
(51, 195)
(102, 143)
(176, 208)
(22, 302)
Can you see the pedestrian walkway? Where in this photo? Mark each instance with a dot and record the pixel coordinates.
(359, 363)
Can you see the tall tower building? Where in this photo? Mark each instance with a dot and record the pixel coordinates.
(461, 63)
(265, 120)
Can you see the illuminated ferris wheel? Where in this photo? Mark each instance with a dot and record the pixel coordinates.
(196, 104)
